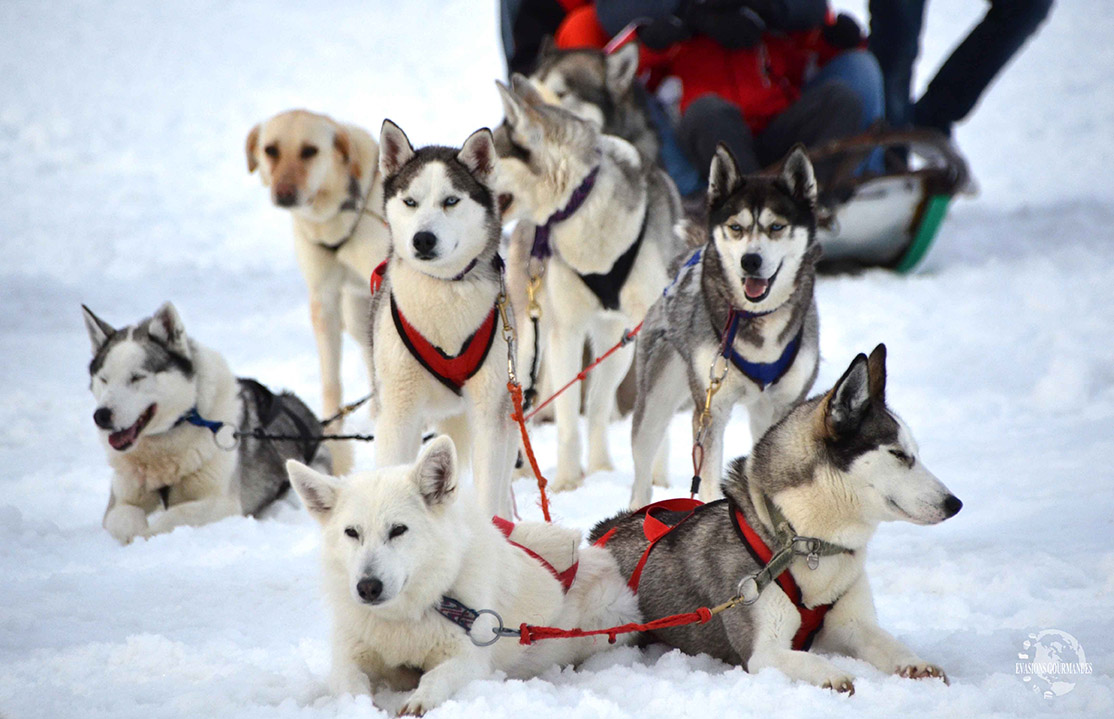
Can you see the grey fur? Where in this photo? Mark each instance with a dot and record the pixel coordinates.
(602, 81)
(685, 325)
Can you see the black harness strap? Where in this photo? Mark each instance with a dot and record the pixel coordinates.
(606, 287)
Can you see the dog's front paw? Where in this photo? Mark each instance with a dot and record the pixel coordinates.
(843, 685)
(414, 707)
(126, 522)
(922, 671)
(567, 481)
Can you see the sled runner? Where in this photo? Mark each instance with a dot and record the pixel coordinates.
(887, 219)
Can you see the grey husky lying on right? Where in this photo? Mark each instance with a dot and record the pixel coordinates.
(831, 471)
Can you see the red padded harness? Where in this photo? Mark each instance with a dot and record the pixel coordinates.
(812, 619)
(566, 577)
(450, 370)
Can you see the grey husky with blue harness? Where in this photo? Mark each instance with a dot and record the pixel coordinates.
(170, 412)
(739, 317)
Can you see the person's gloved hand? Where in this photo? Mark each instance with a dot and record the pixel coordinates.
(659, 33)
(844, 33)
(733, 24)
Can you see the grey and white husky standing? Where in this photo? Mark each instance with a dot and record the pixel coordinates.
(820, 481)
(161, 396)
(613, 223)
(438, 350)
(741, 308)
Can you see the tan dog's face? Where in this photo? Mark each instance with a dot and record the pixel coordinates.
(299, 155)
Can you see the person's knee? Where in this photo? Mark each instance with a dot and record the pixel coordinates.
(842, 106)
(710, 109)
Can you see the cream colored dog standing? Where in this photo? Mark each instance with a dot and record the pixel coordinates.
(327, 174)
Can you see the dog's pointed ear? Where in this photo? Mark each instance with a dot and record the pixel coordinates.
(167, 327)
(317, 491)
(876, 365)
(622, 66)
(546, 48)
(478, 154)
(99, 330)
(526, 90)
(847, 403)
(797, 172)
(513, 108)
(395, 149)
(251, 147)
(342, 143)
(435, 471)
(723, 176)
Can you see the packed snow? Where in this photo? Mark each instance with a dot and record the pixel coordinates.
(124, 184)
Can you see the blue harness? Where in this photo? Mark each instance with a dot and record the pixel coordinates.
(763, 374)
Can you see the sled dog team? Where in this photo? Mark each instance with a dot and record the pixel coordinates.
(403, 248)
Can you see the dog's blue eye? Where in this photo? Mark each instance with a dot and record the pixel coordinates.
(351, 532)
(397, 531)
(776, 227)
(451, 200)
(410, 202)
(736, 227)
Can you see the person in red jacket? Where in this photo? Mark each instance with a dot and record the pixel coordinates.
(754, 73)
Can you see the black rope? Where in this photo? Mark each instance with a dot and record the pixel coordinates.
(261, 435)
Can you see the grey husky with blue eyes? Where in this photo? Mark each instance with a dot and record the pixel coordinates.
(161, 397)
(739, 308)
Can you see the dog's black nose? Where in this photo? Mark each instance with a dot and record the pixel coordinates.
(424, 242)
(952, 505)
(103, 417)
(286, 196)
(752, 262)
(369, 589)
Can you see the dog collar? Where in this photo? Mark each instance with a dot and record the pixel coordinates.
(541, 249)
(380, 271)
(350, 205)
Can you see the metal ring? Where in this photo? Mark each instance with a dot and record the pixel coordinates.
(753, 580)
(229, 441)
(497, 631)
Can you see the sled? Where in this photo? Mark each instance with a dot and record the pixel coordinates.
(888, 219)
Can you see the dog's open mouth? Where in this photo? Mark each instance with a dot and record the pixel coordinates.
(757, 289)
(125, 438)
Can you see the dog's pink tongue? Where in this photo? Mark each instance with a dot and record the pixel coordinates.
(755, 287)
(123, 438)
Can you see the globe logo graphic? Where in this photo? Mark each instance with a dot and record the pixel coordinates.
(1050, 662)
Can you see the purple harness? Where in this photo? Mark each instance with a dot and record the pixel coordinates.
(541, 249)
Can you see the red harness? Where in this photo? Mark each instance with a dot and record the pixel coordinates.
(451, 371)
(566, 577)
(812, 619)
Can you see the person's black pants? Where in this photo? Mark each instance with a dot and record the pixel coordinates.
(895, 31)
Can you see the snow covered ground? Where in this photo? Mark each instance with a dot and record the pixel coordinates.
(123, 184)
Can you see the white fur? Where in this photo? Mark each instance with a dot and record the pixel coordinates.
(449, 548)
(447, 313)
(202, 478)
(590, 241)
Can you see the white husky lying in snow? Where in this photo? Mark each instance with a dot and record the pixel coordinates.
(399, 548)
